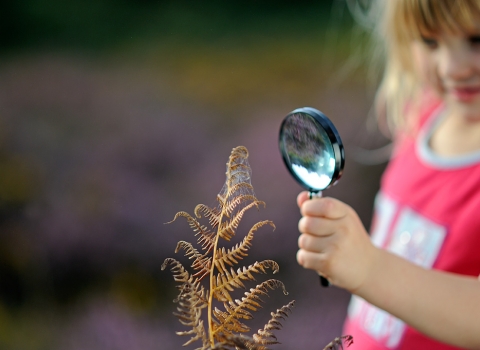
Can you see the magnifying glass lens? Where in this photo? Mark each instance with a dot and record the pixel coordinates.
(310, 153)
(311, 148)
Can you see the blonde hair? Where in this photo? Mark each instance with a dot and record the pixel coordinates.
(402, 22)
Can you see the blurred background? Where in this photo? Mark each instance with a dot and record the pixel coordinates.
(117, 114)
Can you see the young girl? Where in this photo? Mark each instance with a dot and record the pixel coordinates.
(415, 282)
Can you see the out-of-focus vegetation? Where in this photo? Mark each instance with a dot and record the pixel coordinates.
(217, 52)
(115, 115)
(106, 24)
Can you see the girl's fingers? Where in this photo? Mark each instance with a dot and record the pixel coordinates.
(309, 260)
(313, 243)
(316, 226)
(302, 197)
(325, 207)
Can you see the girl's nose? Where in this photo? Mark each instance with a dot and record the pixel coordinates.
(455, 63)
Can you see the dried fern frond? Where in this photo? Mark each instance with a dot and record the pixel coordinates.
(231, 256)
(201, 262)
(199, 229)
(179, 272)
(227, 228)
(227, 322)
(265, 336)
(225, 327)
(337, 343)
(239, 342)
(228, 281)
(191, 301)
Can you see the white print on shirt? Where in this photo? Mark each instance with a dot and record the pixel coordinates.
(410, 236)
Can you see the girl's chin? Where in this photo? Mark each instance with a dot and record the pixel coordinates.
(468, 113)
(469, 110)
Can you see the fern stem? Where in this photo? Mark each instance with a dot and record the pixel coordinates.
(212, 270)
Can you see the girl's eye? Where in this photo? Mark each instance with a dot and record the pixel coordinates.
(431, 43)
(474, 40)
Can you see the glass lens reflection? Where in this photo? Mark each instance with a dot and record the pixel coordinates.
(309, 151)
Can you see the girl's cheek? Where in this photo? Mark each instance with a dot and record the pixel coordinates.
(421, 62)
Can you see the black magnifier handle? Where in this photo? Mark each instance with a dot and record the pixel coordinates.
(323, 281)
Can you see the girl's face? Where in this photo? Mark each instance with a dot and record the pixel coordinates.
(450, 64)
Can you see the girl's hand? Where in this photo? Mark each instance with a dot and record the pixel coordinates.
(334, 242)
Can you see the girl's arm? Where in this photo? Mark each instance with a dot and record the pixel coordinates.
(441, 305)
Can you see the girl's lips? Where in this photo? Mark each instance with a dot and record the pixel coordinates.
(465, 94)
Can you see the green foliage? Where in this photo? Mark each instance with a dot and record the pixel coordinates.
(101, 24)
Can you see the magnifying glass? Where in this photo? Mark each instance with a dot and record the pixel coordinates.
(312, 151)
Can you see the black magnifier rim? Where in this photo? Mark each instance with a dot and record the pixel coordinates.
(334, 138)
